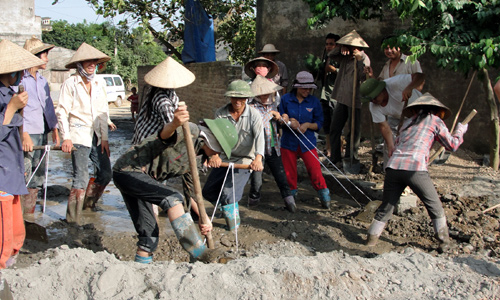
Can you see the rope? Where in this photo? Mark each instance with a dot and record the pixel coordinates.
(329, 172)
(229, 168)
(46, 152)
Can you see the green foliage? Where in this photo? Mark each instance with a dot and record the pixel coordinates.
(134, 47)
(234, 22)
(313, 64)
(462, 35)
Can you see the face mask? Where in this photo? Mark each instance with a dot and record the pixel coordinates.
(18, 80)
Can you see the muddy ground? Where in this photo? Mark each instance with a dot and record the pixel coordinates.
(311, 229)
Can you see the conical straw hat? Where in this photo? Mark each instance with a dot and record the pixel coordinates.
(169, 74)
(86, 52)
(263, 86)
(36, 46)
(353, 39)
(426, 100)
(14, 58)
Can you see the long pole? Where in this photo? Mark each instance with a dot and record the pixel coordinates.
(353, 111)
(196, 179)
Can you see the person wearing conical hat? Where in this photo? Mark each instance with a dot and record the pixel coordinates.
(408, 164)
(249, 150)
(39, 119)
(349, 55)
(269, 51)
(13, 60)
(139, 174)
(387, 99)
(263, 89)
(303, 117)
(82, 112)
(160, 99)
(266, 68)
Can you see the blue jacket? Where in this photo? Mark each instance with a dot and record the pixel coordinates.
(11, 151)
(308, 111)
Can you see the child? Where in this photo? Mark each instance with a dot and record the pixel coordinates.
(134, 100)
(408, 164)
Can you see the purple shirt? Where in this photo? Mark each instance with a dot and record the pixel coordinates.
(11, 152)
(40, 106)
(413, 144)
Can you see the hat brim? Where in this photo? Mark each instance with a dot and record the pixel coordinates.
(426, 100)
(222, 137)
(305, 86)
(376, 91)
(45, 47)
(272, 72)
(15, 58)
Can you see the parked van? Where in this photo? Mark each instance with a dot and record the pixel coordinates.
(114, 88)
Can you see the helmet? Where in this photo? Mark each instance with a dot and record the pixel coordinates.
(239, 89)
(370, 89)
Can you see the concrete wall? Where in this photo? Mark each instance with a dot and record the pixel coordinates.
(206, 93)
(18, 21)
(288, 31)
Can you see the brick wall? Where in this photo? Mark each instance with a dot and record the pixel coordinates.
(206, 93)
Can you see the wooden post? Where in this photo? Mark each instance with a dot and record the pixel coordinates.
(196, 179)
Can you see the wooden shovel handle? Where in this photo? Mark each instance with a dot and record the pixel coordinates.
(236, 166)
(196, 179)
(464, 122)
(51, 148)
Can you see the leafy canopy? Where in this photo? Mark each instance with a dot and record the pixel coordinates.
(462, 35)
(234, 22)
(134, 47)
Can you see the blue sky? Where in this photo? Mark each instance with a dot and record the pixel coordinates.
(73, 11)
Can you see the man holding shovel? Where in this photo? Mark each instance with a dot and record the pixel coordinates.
(352, 60)
(387, 99)
(249, 150)
(139, 174)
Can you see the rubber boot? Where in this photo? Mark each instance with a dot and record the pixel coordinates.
(29, 201)
(253, 201)
(374, 232)
(189, 236)
(290, 203)
(324, 196)
(231, 215)
(75, 204)
(441, 233)
(93, 194)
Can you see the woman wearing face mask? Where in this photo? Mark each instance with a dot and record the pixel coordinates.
(82, 112)
(13, 59)
(39, 119)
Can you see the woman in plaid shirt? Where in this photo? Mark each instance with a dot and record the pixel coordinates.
(407, 165)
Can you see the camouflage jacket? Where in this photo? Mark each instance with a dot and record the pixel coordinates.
(163, 159)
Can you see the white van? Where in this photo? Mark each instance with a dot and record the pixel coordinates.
(114, 88)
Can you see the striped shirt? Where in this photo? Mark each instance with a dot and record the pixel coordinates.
(164, 103)
(270, 134)
(413, 144)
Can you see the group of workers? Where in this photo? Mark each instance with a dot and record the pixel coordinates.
(260, 124)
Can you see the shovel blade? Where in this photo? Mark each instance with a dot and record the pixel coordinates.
(442, 158)
(353, 167)
(368, 213)
(36, 232)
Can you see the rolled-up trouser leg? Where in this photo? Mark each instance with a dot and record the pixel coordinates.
(140, 192)
(101, 163)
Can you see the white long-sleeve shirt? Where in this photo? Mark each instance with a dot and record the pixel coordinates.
(80, 114)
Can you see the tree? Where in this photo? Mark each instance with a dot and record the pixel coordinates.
(133, 47)
(234, 22)
(462, 35)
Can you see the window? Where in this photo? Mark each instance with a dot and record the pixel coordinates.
(118, 81)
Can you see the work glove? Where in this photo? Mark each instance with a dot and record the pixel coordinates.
(461, 128)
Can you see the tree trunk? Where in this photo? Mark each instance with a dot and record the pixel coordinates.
(494, 128)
